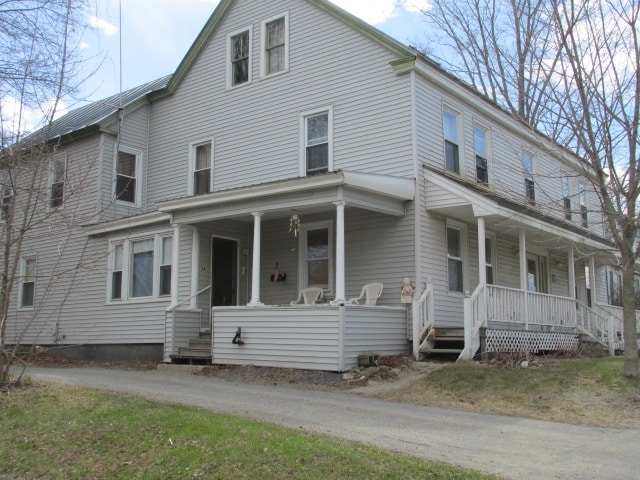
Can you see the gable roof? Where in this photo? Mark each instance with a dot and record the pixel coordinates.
(96, 113)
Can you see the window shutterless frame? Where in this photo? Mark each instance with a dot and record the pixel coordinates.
(316, 142)
(201, 155)
(27, 293)
(127, 176)
(451, 130)
(274, 45)
(239, 56)
(57, 180)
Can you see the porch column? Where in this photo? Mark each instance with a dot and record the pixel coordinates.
(571, 270)
(340, 263)
(524, 286)
(482, 253)
(255, 271)
(175, 262)
(195, 267)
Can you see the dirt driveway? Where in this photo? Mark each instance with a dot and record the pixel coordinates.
(511, 447)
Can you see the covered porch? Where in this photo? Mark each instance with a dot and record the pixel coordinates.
(325, 231)
(536, 281)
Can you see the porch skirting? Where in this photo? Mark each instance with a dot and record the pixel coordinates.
(313, 337)
(526, 340)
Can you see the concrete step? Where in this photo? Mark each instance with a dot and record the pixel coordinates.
(195, 352)
(456, 351)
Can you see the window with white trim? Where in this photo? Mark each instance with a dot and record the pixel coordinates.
(239, 55)
(451, 141)
(275, 45)
(140, 267)
(57, 177)
(582, 199)
(529, 183)
(456, 245)
(480, 140)
(317, 139)
(316, 255)
(201, 168)
(127, 174)
(566, 197)
(490, 258)
(27, 282)
(6, 195)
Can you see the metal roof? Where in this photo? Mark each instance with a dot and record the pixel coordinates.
(96, 112)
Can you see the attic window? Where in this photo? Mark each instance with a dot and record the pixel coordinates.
(275, 45)
(240, 54)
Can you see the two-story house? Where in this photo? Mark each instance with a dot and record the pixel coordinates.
(296, 146)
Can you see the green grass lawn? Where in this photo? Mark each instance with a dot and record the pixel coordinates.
(62, 432)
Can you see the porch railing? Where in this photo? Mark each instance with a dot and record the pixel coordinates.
(422, 313)
(475, 317)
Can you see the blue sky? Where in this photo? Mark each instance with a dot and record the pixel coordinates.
(156, 34)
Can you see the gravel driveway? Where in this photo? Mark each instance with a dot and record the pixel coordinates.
(511, 447)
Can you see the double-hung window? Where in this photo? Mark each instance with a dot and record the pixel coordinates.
(140, 268)
(316, 255)
(275, 45)
(201, 168)
(316, 156)
(28, 282)
(566, 197)
(239, 66)
(127, 173)
(490, 259)
(582, 199)
(6, 196)
(529, 183)
(451, 141)
(482, 155)
(57, 178)
(455, 258)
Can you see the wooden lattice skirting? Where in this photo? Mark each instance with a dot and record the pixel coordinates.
(522, 341)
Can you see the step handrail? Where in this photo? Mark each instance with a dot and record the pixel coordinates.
(172, 308)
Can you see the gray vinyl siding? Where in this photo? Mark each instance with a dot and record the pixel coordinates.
(371, 106)
(382, 331)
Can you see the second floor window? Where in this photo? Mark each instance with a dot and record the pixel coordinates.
(451, 145)
(317, 143)
(529, 183)
(240, 58)
(6, 196)
(58, 174)
(126, 177)
(202, 162)
(482, 167)
(566, 198)
(582, 199)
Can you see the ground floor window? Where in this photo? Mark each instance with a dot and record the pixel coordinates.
(28, 282)
(140, 267)
(316, 255)
(456, 245)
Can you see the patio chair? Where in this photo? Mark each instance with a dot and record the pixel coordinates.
(309, 296)
(370, 292)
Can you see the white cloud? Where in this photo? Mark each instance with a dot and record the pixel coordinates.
(107, 28)
(19, 120)
(378, 11)
(83, 45)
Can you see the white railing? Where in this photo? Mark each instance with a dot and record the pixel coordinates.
(475, 317)
(617, 312)
(422, 317)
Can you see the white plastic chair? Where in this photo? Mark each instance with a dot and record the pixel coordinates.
(371, 292)
(310, 296)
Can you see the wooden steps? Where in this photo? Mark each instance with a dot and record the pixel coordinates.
(197, 353)
(443, 341)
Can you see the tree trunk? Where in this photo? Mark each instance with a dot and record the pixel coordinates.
(629, 315)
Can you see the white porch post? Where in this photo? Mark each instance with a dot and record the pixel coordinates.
(340, 255)
(255, 271)
(195, 266)
(522, 241)
(482, 255)
(175, 262)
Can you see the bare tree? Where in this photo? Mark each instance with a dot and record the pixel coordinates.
(38, 62)
(570, 69)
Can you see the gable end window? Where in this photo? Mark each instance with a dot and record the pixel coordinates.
(201, 168)
(316, 155)
(239, 58)
(127, 171)
(57, 180)
(482, 167)
(529, 184)
(275, 45)
(451, 142)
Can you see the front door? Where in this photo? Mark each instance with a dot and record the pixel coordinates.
(224, 272)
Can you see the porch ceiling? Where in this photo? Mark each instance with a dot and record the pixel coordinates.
(379, 193)
(452, 198)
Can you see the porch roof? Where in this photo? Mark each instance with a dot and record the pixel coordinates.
(456, 198)
(380, 193)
